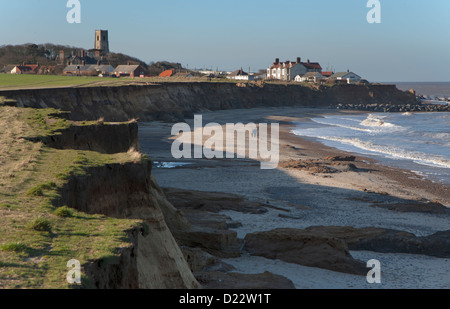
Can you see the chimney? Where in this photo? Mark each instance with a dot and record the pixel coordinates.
(129, 63)
(277, 60)
(307, 61)
(299, 59)
(348, 71)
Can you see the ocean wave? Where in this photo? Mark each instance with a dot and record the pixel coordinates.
(341, 125)
(440, 135)
(372, 124)
(394, 152)
(378, 121)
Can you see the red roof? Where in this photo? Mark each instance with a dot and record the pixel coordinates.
(167, 73)
(27, 67)
(327, 73)
(312, 65)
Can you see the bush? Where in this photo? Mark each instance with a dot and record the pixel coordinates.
(40, 224)
(64, 212)
(38, 190)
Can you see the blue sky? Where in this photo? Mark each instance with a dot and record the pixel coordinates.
(411, 44)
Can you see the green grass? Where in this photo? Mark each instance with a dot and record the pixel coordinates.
(14, 247)
(44, 122)
(36, 237)
(12, 81)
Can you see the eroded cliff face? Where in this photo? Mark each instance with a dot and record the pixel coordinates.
(129, 191)
(124, 189)
(174, 101)
(101, 137)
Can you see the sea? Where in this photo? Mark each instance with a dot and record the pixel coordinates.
(419, 142)
(429, 89)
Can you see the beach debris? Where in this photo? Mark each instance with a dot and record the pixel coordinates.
(312, 166)
(340, 158)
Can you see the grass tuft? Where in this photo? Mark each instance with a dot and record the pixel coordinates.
(63, 212)
(40, 224)
(35, 191)
(39, 189)
(14, 247)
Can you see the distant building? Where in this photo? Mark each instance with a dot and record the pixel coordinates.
(130, 70)
(183, 75)
(327, 73)
(25, 69)
(350, 77)
(240, 75)
(259, 76)
(309, 77)
(289, 70)
(88, 70)
(167, 73)
(209, 73)
(101, 46)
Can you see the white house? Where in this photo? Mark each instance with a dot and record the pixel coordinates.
(309, 77)
(240, 75)
(289, 70)
(349, 76)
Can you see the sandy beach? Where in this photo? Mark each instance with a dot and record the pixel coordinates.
(312, 187)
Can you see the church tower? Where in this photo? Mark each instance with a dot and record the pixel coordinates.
(101, 41)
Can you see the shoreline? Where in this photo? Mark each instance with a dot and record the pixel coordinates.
(304, 197)
(408, 178)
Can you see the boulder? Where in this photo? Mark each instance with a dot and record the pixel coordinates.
(305, 248)
(387, 240)
(266, 280)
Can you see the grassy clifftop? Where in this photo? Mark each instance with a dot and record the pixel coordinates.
(37, 239)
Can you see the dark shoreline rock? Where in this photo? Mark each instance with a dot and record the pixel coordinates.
(394, 108)
(231, 280)
(387, 240)
(304, 248)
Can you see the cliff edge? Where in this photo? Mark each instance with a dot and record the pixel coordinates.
(66, 194)
(174, 101)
